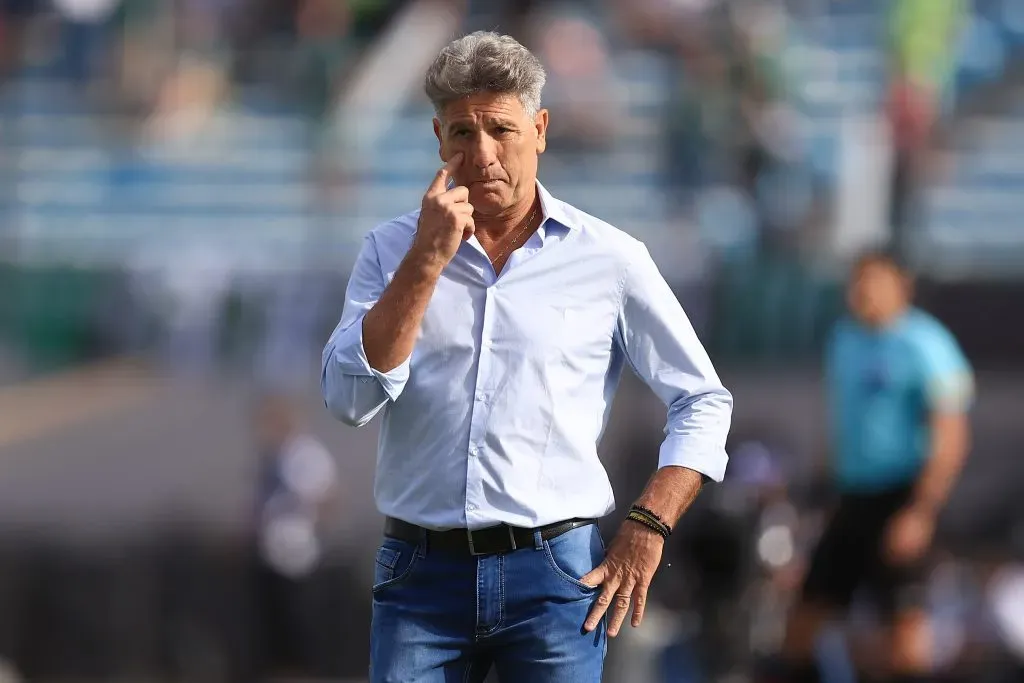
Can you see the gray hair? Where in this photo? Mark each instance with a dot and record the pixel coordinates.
(485, 62)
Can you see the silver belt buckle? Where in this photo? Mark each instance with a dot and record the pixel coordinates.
(472, 548)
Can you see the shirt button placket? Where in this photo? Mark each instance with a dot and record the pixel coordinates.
(478, 412)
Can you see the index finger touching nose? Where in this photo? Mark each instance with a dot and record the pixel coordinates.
(440, 183)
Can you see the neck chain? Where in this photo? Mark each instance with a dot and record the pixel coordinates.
(526, 225)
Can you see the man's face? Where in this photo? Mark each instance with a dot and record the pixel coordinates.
(878, 293)
(500, 144)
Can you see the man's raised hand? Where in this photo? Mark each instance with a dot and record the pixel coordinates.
(446, 216)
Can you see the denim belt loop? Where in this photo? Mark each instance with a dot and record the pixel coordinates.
(538, 540)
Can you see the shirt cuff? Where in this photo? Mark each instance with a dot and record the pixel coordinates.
(351, 358)
(696, 456)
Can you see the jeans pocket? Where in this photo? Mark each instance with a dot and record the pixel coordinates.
(575, 554)
(394, 563)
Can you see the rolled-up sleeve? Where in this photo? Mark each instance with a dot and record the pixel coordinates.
(353, 391)
(662, 347)
(947, 375)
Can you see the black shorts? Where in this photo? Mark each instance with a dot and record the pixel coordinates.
(851, 555)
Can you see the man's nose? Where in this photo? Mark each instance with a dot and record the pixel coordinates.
(483, 152)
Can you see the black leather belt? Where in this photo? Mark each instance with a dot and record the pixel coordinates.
(490, 541)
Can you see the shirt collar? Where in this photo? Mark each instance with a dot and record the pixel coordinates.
(555, 209)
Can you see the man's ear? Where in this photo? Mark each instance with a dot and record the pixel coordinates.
(440, 140)
(540, 122)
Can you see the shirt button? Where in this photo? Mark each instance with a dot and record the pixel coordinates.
(473, 450)
(481, 396)
(488, 343)
(471, 506)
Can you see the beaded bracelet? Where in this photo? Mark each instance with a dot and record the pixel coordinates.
(647, 512)
(655, 526)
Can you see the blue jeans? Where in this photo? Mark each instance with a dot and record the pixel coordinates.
(444, 618)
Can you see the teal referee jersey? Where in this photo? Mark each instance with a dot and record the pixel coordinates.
(883, 387)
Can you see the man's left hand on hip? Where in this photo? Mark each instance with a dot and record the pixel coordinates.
(624, 576)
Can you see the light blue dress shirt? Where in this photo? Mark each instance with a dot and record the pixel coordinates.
(497, 414)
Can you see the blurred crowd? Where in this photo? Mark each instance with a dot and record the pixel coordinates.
(732, 157)
(723, 141)
(732, 118)
(163, 59)
(714, 125)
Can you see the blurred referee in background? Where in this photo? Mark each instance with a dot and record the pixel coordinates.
(899, 389)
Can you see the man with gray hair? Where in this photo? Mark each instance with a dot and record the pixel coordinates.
(491, 327)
